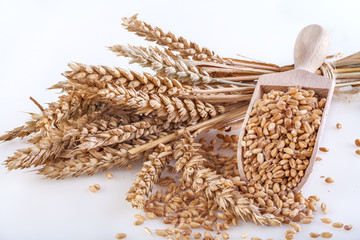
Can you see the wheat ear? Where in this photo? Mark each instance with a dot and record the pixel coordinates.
(88, 162)
(184, 47)
(149, 174)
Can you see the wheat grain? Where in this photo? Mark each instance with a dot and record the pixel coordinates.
(150, 215)
(357, 142)
(140, 217)
(326, 235)
(197, 235)
(337, 225)
(324, 208)
(329, 180)
(314, 235)
(244, 235)
(120, 236)
(326, 220)
(138, 222)
(348, 227)
(225, 236)
(323, 149)
(92, 189)
(295, 226)
(160, 233)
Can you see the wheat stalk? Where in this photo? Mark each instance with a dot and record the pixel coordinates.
(187, 159)
(107, 89)
(68, 106)
(22, 131)
(149, 174)
(160, 104)
(63, 136)
(99, 76)
(162, 63)
(88, 162)
(202, 179)
(74, 163)
(219, 121)
(135, 130)
(185, 48)
(226, 196)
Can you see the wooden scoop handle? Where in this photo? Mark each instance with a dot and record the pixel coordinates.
(311, 48)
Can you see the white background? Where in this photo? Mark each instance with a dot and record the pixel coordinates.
(39, 38)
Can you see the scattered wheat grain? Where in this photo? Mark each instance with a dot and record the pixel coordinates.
(329, 180)
(92, 189)
(148, 231)
(326, 235)
(326, 220)
(357, 142)
(138, 222)
(225, 236)
(244, 235)
(337, 225)
(160, 233)
(324, 208)
(289, 236)
(120, 236)
(348, 227)
(150, 215)
(169, 231)
(296, 226)
(314, 235)
(197, 235)
(323, 149)
(306, 220)
(139, 216)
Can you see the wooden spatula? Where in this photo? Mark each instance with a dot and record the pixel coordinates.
(311, 48)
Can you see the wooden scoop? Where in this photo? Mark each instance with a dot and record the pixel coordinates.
(311, 48)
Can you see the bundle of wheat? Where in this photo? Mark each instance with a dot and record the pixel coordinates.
(108, 116)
